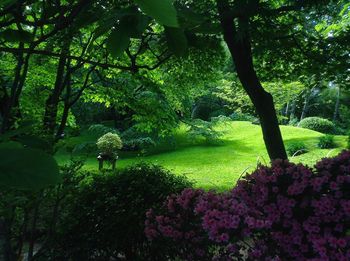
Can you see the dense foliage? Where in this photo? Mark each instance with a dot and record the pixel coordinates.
(109, 144)
(281, 212)
(106, 217)
(326, 142)
(317, 124)
(134, 71)
(295, 148)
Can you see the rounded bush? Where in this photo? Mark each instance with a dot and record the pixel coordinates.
(109, 144)
(317, 124)
(295, 148)
(106, 219)
(326, 142)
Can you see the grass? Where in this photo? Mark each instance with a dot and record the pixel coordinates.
(220, 166)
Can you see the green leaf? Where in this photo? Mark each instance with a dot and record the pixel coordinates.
(177, 40)
(27, 169)
(118, 41)
(162, 11)
(16, 36)
(136, 24)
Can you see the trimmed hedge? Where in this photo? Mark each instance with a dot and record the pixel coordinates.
(317, 124)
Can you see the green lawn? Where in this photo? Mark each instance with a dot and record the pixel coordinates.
(219, 166)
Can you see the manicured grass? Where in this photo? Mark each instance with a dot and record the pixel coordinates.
(220, 166)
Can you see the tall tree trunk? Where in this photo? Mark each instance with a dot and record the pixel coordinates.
(52, 102)
(306, 105)
(63, 122)
(240, 49)
(286, 110)
(292, 109)
(71, 99)
(337, 104)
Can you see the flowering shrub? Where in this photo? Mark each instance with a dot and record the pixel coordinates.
(282, 212)
(109, 143)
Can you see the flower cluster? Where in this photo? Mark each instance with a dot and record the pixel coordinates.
(282, 212)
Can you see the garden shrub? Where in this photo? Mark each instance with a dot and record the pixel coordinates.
(106, 219)
(349, 140)
(326, 142)
(295, 148)
(109, 144)
(282, 212)
(317, 124)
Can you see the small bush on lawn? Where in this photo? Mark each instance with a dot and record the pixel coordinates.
(326, 142)
(295, 148)
(317, 124)
(349, 140)
(109, 144)
(106, 220)
(282, 212)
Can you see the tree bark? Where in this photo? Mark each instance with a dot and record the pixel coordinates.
(71, 99)
(238, 42)
(337, 104)
(51, 106)
(306, 105)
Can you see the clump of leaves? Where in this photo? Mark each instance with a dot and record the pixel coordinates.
(200, 129)
(326, 142)
(109, 144)
(296, 148)
(317, 124)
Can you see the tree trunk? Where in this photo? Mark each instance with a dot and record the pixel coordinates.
(240, 49)
(336, 108)
(292, 110)
(66, 109)
(306, 105)
(286, 110)
(52, 101)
